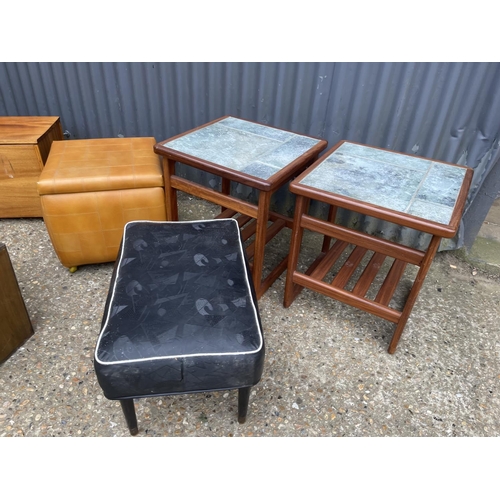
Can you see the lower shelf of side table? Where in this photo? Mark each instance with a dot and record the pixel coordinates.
(366, 279)
(369, 271)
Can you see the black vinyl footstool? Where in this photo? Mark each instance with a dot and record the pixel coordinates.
(181, 315)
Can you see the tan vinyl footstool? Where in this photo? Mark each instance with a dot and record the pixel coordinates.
(90, 188)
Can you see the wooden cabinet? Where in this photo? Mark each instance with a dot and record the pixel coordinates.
(15, 324)
(24, 147)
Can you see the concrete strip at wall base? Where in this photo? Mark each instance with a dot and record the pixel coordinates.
(485, 251)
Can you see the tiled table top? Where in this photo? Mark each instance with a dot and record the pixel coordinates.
(415, 186)
(245, 152)
(243, 146)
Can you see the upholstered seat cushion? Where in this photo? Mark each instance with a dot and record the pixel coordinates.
(181, 314)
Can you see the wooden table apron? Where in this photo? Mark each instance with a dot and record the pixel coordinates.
(403, 255)
(231, 205)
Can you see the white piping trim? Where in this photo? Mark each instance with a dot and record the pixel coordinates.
(179, 355)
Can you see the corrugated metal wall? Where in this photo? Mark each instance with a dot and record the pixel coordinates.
(446, 111)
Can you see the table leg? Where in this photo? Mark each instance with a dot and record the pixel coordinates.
(332, 213)
(260, 240)
(225, 189)
(292, 290)
(412, 297)
(170, 192)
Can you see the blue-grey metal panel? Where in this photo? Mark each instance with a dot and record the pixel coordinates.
(446, 111)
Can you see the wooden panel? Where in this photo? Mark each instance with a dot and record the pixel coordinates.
(53, 134)
(15, 324)
(19, 198)
(16, 161)
(26, 129)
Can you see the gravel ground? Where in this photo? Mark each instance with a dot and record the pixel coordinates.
(327, 370)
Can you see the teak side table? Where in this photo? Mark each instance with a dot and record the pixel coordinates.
(410, 191)
(241, 151)
(25, 143)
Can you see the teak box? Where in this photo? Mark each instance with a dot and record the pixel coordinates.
(24, 147)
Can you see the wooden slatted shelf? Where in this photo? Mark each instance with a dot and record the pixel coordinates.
(391, 282)
(325, 262)
(349, 267)
(370, 272)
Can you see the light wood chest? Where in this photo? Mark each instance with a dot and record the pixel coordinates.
(24, 147)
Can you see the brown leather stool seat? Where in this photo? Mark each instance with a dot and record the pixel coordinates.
(90, 188)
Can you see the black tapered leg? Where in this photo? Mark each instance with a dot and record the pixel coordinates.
(129, 412)
(243, 398)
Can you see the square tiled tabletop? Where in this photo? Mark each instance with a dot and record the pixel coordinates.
(236, 150)
(415, 192)
(389, 181)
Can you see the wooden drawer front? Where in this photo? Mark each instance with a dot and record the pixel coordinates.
(17, 161)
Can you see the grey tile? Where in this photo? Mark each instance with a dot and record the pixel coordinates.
(390, 180)
(442, 185)
(262, 170)
(386, 157)
(237, 144)
(289, 151)
(257, 129)
(366, 180)
(431, 211)
(227, 147)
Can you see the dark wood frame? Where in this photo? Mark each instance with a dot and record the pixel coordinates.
(252, 219)
(312, 278)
